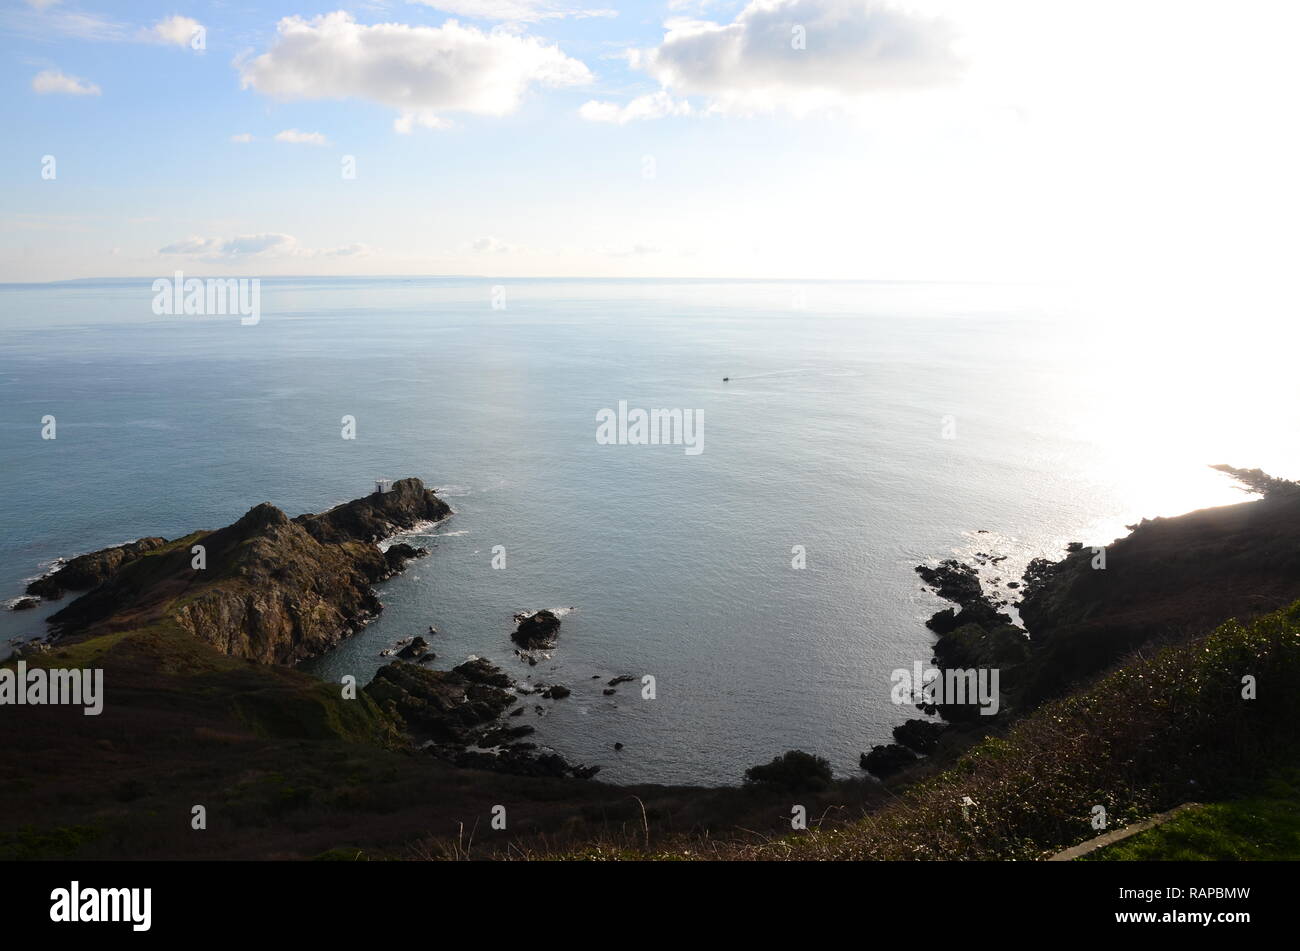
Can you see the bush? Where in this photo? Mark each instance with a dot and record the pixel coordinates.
(794, 771)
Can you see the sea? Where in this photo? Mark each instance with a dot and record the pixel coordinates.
(758, 584)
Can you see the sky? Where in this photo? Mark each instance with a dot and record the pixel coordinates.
(1123, 144)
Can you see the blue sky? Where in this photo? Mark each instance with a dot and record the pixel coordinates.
(878, 139)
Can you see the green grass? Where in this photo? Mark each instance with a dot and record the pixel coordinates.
(29, 843)
(1260, 828)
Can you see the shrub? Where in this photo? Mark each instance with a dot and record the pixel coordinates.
(794, 771)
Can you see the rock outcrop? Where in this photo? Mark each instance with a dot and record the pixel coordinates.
(377, 516)
(86, 571)
(270, 589)
(458, 712)
(537, 630)
(978, 635)
(920, 735)
(448, 706)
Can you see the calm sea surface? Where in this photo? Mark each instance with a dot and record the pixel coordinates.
(830, 435)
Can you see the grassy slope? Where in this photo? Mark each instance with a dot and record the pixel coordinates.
(1265, 827)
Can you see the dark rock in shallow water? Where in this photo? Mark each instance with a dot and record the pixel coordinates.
(621, 679)
(920, 735)
(953, 581)
(400, 553)
(503, 735)
(538, 629)
(444, 705)
(481, 671)
(557, 692)
(24, 604)
(979, 612)
(886, 759)
(416, 648)
(459, 709)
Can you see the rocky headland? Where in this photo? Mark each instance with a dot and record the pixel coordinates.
(1168, 580)
(267, 588)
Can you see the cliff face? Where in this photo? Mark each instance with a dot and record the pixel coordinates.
(273, 589)
(1169, 579)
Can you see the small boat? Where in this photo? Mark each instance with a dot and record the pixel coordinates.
(726, 379)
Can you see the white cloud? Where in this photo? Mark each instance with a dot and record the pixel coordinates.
(56, 81)
(800, 56)
(174, 31)
(419, 70)
(348, 250)
(267, 244)
(636, 250)
(492, 245)
(655, 105)
(514, 11)
(242, 137)
(42, 19)
(301, 138)
(407, 121)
